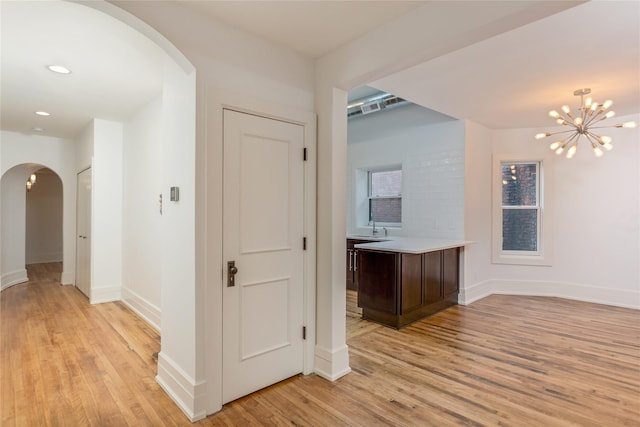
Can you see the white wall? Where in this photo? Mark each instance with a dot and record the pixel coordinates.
(141, 222)
(106, 211)
(58, 155)
(178, 263)
(432, 160)
(13, 270)
(44, 219)
(227, 60)
(596, 222)
(477, 205)
(84, 148)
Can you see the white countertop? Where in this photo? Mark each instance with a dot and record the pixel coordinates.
(410, 245)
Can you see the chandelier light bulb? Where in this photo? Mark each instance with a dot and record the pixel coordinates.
(628, 125)
(559, 150)
(578, 121)
(566, 109)
(542, 135)
(608, 103)
(571, 151)
(588, 102)
(554, 114)
(597, 151)
(608, 146)
(605, 139)
(594, 106)
(555, 145)
(609, 114)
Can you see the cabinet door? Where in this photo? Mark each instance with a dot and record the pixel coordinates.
(450, 266)
(432, 277)
(377, 281)
(411, 282)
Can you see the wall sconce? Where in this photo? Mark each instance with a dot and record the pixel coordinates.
(31, 181)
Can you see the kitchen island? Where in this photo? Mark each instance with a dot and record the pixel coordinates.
(403, 280)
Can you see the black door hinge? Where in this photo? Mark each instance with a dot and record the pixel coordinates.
(304, 154)
(304, 243)
(304, 332)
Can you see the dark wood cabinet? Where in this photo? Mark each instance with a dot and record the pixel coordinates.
(352, 263)
(397, 289)
(378, 270)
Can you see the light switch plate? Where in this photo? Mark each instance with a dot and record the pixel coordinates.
(175, 194)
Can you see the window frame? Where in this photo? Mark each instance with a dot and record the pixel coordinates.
(544, 253)
(537, 207)
(370, 197)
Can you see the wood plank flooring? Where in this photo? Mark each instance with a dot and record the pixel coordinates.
(504, 360)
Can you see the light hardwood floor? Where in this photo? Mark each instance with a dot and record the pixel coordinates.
(504, 360)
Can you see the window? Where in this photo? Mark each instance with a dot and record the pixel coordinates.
(385, 196)
(521, 211)
(520, 207)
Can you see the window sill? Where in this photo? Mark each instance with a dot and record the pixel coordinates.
(536, 260)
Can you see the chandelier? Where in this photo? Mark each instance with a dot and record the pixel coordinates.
(582, 124)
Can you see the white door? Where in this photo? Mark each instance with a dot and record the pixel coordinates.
(263, 214)
(83, 232)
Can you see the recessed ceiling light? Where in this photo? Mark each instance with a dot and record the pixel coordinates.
(59, 69)
(43, 113)
(38, 129)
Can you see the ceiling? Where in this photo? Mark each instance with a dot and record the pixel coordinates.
(115, 70)
(312, 28)
(510, 80)
(514, 79)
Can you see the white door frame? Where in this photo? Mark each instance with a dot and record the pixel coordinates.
(216, 100)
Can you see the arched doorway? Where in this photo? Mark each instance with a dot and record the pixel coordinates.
(43, 241)
(31, 220)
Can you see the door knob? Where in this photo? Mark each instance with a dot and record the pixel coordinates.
(232, 270)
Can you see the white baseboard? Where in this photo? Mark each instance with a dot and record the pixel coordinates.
(332, 364)
(475, 292)
(575, 291)
(13, 278)
(67, 278)
(143, 308)
(106, 294)
(189, 395)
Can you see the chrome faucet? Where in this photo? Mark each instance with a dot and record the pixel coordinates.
(374, 231)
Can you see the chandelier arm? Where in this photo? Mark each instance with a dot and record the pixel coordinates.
(573, 125)
(584, 112)
(594, 117)
(603, 127)
(573, 139)
(557, 133)
(592, 139)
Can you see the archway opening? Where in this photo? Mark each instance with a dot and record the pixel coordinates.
(31, 225)
(43, 228)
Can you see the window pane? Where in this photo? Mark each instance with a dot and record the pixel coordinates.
(519, 183)
(385, 210)
(520, 230)
(387, 183)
